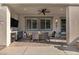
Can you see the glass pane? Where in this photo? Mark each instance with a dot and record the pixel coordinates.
(47, 24)
(34, 24)
(28, 24)
(63, 25)
(42, 24)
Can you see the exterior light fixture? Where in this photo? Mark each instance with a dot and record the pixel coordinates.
(56, 22)
(39, 32)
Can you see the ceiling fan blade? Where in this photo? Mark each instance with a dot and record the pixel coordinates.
(39, 10)
(47, 11)
(43, 13)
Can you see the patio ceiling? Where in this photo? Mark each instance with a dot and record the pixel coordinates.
(32, 9)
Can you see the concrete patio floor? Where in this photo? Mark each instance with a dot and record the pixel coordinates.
(32, 48)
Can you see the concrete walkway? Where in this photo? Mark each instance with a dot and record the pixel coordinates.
(30, 48)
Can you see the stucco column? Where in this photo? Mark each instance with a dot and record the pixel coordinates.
(72, 24)
(5, 36)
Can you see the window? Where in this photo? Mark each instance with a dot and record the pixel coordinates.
(45, 24)
(48, 24)
(31, 24)
(63, 25)
(42, 24)
(38, 23)
(34, 24)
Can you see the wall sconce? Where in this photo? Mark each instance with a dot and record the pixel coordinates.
(39, 32)
(56, 22)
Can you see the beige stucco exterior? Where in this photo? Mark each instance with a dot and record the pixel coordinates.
(72, 24)
(5, 39)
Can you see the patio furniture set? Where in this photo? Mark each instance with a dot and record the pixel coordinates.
(34, 36)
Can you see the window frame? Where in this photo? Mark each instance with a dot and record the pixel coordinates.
(38, 23)
(31, 23)
(51, 23)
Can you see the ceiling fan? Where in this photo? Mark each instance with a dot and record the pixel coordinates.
(44, 11)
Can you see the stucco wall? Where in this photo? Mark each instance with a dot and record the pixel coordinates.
(4, 26)
(73, 17)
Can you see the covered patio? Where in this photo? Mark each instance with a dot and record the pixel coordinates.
(39, 29)
(38, 22)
